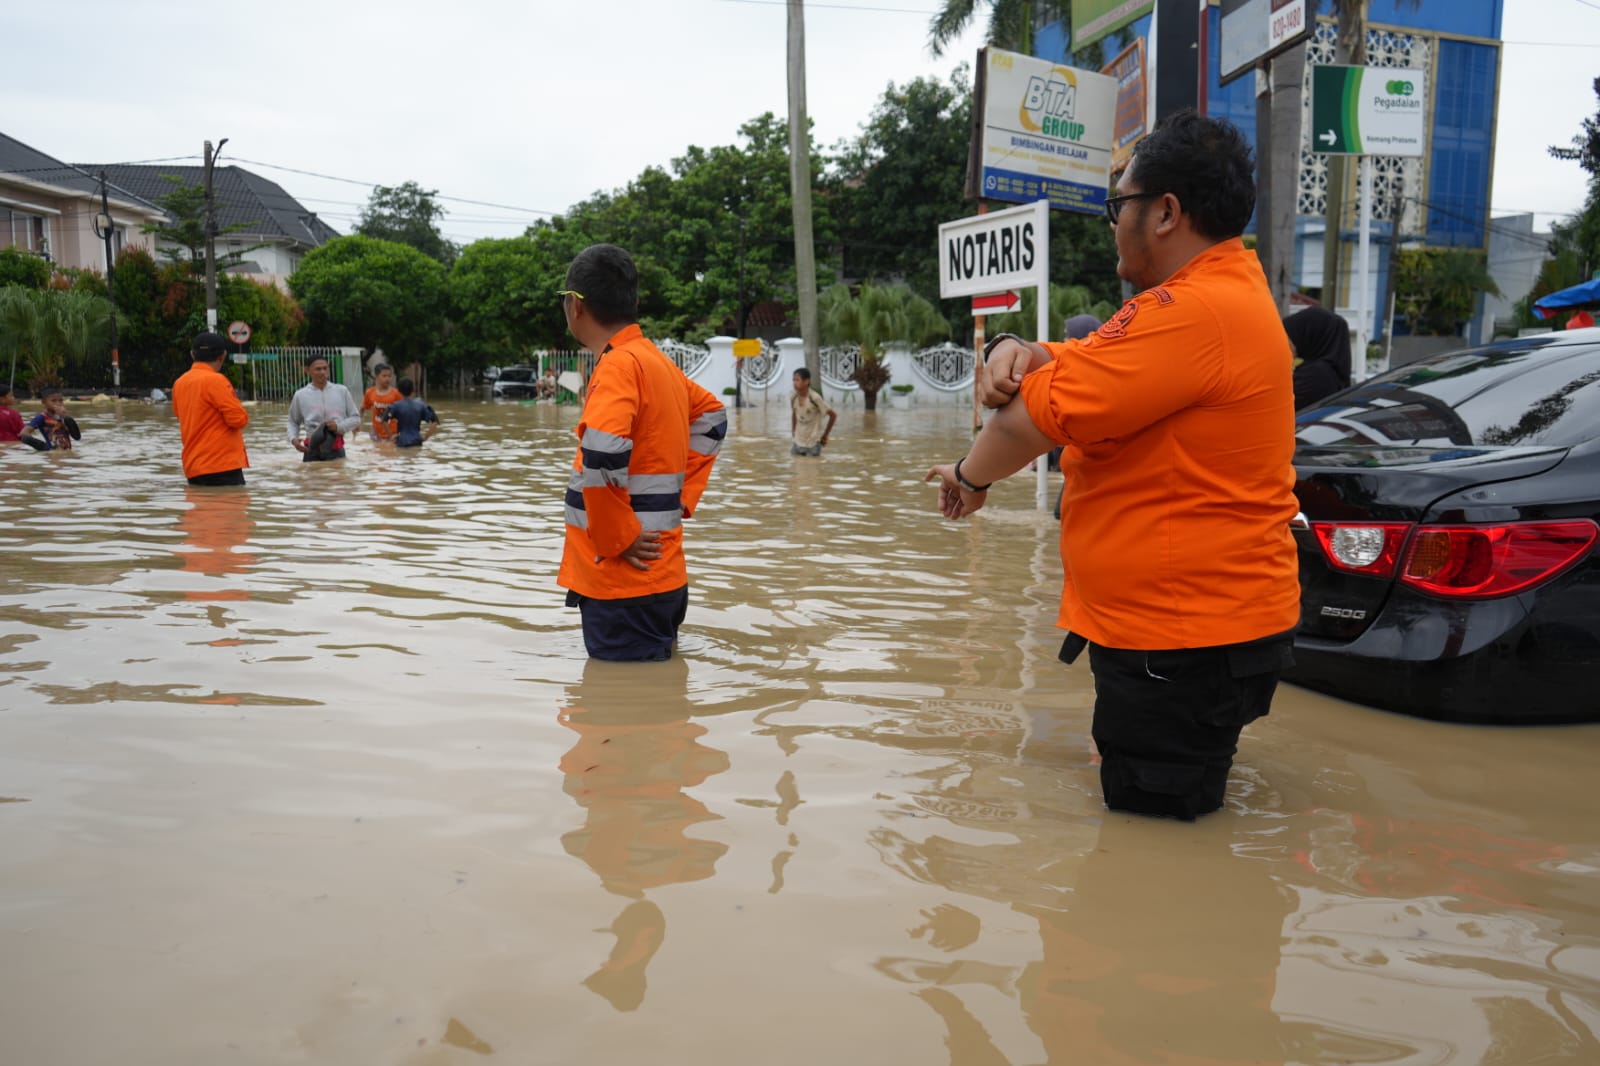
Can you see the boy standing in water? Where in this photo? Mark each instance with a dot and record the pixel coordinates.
(59, 429)
(404, 418)
(377, 400)
(806, 411)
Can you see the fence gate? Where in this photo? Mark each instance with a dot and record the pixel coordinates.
(275, 373)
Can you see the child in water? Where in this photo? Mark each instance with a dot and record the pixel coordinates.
(409, 416)
(58, 427)
(10, 418)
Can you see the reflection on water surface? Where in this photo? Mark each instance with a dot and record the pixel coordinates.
(317, 772)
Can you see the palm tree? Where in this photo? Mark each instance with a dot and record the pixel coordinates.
(1010, 23)
(1065, 301)
(49, 329)
(874, 317)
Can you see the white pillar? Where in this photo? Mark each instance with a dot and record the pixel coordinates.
(718, 375)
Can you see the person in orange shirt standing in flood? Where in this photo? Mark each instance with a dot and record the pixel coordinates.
(1181, 573)
(377, 399)
(646, 441)
(210, 417)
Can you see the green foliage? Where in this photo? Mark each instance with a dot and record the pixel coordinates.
(55, 335)
(1065, 301)
(1437, 289)
(876, 316)
(186, 226)
(373, 293)
(407, 214)
(23, 268)
(503, 303)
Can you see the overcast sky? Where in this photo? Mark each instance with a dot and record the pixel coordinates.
(534, 105)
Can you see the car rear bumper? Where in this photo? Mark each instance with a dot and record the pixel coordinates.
(1492, 661)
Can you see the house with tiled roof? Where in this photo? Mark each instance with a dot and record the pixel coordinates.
(48, 208)
(262, 230)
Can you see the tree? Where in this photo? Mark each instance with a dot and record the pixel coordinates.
(1011, 22)
(1437, 289)
(503, 303)
(186, 225)
(1580, 235)
(23, 268)
(407, 214)
(875, 316)
(363, 291)
(51, 332)
(1065, 301)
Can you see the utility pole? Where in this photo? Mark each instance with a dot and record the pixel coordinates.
(805, 254)
(211, 236)
(106, 229)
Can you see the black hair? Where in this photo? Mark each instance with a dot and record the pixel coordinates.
(609, 281)
(47, 393)
(380, 368)
(1207, 164)
(313, 358)
(406, 386)
(206, 355)
(803, 373)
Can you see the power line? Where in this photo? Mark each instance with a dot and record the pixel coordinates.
(376, 184)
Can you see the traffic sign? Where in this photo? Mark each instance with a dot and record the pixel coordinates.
(997, 303)
(983, 254)
(239, 332)
(746, 348)
(1368, 110)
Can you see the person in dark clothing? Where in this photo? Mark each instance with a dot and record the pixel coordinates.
(409, 416)
(1321, 341)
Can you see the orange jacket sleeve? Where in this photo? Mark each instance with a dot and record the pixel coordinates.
(708, 424)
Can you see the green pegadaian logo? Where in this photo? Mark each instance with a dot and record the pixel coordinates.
(1399, 88)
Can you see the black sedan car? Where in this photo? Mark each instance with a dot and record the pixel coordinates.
(1447, 535)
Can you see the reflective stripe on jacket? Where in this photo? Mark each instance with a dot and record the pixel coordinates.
(646, 443)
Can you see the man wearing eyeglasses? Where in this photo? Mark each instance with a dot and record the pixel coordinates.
(646, 442)
(1177, 418)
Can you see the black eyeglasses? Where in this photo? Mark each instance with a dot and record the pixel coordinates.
(1114, 203)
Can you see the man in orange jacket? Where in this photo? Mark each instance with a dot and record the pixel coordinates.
(1181, 572)
(210, 417)
(646, 442)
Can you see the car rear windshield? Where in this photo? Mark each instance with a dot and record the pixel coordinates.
(516, 375)
(1527, 393)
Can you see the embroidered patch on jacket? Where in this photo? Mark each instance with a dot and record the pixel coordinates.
(1117, 324)
(1162, 295)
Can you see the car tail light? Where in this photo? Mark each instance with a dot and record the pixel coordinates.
(1481, 561)
(1362, 547)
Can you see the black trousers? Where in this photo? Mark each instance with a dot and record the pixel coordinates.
(220, 477)
(632, 629)
(1167, 723)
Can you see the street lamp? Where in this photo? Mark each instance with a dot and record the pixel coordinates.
(104, 228)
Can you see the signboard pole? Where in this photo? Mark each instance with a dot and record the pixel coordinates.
(1363, 307)
(1041, 465)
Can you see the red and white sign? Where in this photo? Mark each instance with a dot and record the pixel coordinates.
(239, 332)
(997, 303)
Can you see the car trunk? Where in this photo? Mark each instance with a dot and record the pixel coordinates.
(1358, 485)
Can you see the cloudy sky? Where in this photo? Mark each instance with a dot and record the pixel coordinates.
(534, 105)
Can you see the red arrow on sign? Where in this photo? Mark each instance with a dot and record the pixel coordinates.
(996, 304)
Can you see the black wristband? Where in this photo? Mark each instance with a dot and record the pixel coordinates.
(964, 483)
(998, 337)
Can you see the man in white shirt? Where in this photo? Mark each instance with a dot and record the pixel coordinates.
(807, 409)
(320, 414)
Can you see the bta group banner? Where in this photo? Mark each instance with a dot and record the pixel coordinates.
(1047, 132)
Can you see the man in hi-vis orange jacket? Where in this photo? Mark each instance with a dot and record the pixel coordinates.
(646, 442)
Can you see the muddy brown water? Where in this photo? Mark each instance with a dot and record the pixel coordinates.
(317, 773)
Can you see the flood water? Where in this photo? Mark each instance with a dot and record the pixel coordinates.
(316, 772)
